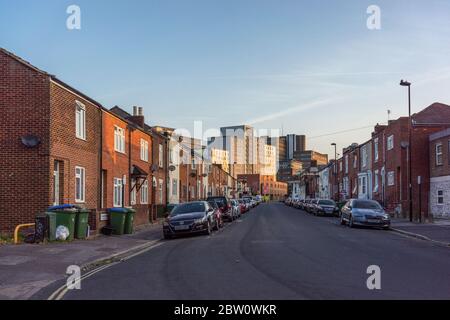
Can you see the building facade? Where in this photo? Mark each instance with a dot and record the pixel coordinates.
(440, 174)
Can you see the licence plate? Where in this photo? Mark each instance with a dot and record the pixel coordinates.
(181, 227)
(373, 220)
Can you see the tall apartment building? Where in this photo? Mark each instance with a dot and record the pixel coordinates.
(294, 144)
(241, 144)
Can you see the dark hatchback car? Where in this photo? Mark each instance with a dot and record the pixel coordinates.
(190, 218)
(325, 207)
(364, 213)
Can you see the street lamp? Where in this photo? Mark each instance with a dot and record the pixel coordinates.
(404, 83)
(336, 168)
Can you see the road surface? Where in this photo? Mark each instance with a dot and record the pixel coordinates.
(278, 252)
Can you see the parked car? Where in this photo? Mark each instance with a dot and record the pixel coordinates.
(243, 205)
(325, 207)
(301, 204)
(235, 208)
(189, 218)
(357, 212)
(258, 199)
(224, 206)
(218, 213)
(248, 203)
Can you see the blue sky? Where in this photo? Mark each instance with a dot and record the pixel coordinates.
(311, 67)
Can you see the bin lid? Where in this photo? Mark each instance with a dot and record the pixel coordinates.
(63, 207)
(119, 210)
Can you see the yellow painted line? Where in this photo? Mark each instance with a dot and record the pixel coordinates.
(61, 291)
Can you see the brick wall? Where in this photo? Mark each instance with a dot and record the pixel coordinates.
(72, 151)
(24, 172)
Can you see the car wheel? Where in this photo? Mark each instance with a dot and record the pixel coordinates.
(216, 227)
(342, 220)
(208, 230)
(167, 236)
(350, 222)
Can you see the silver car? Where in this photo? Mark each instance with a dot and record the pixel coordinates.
(357, 212)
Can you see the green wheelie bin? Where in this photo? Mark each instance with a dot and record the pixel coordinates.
(129, 221)
(81, 223)
(66, 218)
(117, 218)
(51, 225)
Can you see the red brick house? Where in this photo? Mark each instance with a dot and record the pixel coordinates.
(50, 142)
(440, 174)
(126, 161)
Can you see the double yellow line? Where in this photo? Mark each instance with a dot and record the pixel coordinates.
(62, 291)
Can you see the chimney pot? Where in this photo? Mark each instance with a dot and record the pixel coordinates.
(140, 111)
(135, 112)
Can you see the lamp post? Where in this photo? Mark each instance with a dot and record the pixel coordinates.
(404, 83)
(336, 168)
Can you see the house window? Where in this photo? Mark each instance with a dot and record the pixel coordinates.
(376, 149)
(80, 120)
(119, 139)
(144, 150)
(375, 188)
(161, 191)
(390, 142)
(193, 164)
(364, 157)
(391, 178)
(346, 164)
(355, 161)
(80, 184)
(144, 192)
(439, 155)
(340, 166)
(440, 197)
(133, 192)
(171, 156)
(174, 187)
(161, 156)
(118, 194)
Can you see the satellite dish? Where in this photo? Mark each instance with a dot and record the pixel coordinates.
(154, 167)
(172, 168)
(30, 141)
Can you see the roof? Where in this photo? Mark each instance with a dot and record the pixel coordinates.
(437, 113)
(52, 77)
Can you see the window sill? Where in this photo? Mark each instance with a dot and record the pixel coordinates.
(81, 138)
(121, 152)
(80, 201)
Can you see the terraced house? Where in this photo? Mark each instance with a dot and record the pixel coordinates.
(50, 139)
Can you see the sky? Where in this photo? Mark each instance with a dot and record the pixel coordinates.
(305, 67)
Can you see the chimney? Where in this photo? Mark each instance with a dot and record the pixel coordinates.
(138, 116)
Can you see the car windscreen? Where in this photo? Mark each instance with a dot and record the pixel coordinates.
(327, 202)
(364, 204)
(188, 208)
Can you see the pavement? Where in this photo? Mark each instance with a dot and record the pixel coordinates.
(274, 252)
(27, 268)
(437, 232)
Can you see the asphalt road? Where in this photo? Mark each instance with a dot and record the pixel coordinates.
(277, 252)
